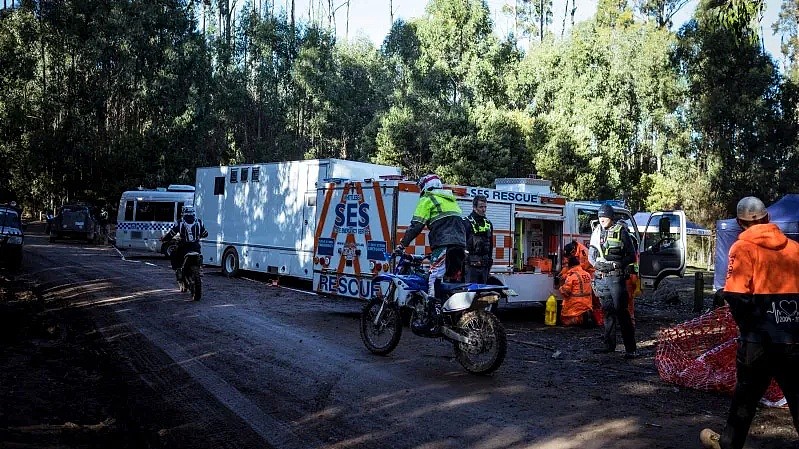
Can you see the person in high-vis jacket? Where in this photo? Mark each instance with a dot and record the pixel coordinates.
(762, 290)
(479, 242)
(576, 292)
(612, 251)
(438, 210)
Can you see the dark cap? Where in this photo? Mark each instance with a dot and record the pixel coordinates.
(605, 210)
(751, 209)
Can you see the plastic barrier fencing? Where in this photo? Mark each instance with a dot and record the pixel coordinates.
(700, 354)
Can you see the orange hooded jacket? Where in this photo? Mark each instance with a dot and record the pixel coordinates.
(762, 285)
(582, 254)
(576, 291)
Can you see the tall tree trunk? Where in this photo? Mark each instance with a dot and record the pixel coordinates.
(331, 16)
(574, 11)
(391, 11)
(347, 26)
(292, 16)
(565, 13)
(541, 21)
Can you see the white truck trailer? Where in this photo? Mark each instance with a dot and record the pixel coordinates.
(262, 217)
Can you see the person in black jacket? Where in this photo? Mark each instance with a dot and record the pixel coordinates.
(191, 230)
(612, 251)
(479, 242)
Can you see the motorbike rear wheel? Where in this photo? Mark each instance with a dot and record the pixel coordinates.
(490, 342)
(383, 337)
(194, 285)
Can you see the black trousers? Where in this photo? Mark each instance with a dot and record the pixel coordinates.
(180, 253)
(756, 364)
(612, 293)
(478, 275)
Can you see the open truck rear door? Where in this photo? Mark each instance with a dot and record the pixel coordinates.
(663, 248)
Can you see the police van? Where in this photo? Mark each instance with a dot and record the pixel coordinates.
(145, 216)
(11, 235)
(360, 221)
(262, 217)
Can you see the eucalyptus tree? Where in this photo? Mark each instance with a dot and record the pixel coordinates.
(661, 11)
(20, 112)
(117, 88)
(532, 18)
(787, 26)
(449, 70)
(741, 131)
(604, 106)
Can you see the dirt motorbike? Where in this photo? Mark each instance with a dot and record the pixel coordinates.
(189, 275)
(463, 318)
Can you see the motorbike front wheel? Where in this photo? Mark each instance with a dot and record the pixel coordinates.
(383, 337)
(489, 342)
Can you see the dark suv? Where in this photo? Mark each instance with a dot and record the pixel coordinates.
(75, 221)
(11, 236)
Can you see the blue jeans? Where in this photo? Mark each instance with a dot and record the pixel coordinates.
(612, 293)
(756, 364)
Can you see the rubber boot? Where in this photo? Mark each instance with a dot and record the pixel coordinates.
(709, 439)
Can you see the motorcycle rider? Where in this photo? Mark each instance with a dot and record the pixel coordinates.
(439, 211)
(191, 230)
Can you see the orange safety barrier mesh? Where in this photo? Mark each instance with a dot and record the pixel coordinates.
(700, 354)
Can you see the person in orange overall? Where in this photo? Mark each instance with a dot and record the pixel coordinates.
(762, 289)
(576, 291)
(633, 290)
(577, 249)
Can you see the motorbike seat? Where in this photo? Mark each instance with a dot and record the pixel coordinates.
(452, 286)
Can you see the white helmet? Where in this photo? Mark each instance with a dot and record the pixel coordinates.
(429, 182)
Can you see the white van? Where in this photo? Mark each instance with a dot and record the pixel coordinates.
(147, 215)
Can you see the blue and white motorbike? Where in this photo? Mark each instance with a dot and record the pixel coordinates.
(464, 318)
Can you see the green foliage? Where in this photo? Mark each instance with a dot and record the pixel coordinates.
(787, 26)
(735, 108)
(605, 106)
(97, 97)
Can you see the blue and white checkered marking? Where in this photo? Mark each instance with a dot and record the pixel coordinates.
(143, 226)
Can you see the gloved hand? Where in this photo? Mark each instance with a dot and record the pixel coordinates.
(399, 249)
(605, 266)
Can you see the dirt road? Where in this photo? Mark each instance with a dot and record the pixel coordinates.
(107, 353)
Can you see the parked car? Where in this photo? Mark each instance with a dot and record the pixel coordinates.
(74, 221)
(11, 236)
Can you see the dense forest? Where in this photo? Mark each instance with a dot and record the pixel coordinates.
(101, 96)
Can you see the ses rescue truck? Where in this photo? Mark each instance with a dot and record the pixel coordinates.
(262, 217)
(360, 221)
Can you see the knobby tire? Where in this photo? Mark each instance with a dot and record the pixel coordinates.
(489, 353)
(390, 326)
